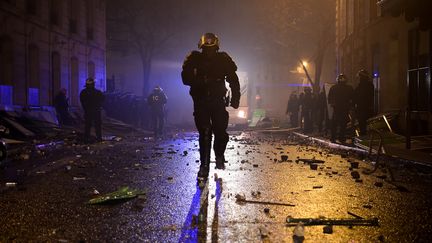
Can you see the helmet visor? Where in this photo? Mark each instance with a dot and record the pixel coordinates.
(208, 40)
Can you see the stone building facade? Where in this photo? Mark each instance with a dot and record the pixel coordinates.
(396, 52)
(46, 45)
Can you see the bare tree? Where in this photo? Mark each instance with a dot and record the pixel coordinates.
(304, 27)
(145, 26)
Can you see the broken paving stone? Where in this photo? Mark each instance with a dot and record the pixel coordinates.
(355, 175)
(328, 229)
(368, 206)
(378, 184)
(354, 165)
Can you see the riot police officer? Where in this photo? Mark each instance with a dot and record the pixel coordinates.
(340, 98)
(364, 100)
(307, 109)
(91, 101)
(157, 100)
(206, 72)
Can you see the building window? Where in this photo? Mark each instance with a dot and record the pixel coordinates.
(55, 12)
(31, 7)
(33, 75)
(73, 18)
(90, 8)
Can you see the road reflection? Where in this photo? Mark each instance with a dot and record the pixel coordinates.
(195, 226)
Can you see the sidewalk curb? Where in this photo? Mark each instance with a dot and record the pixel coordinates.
(360, 150)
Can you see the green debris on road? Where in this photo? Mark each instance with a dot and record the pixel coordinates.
(123, 193)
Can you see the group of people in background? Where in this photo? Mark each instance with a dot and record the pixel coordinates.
(311, 107)
(92, 101)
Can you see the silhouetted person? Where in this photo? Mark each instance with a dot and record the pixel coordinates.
(301, 101)
(91, 101)
(364, 100)
(307, 109)
(157, 100)
(293, 109)
(320, 109)
(61, 104)
(340, 98)
(206, 72)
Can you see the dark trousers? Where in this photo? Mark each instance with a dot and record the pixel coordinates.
(158, 121)
(339, 120)
(308, 124)
(294, 119)
(211, 118)
(362, 117)
(90, 119)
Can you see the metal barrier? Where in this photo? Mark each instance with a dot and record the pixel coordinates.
(378, 151)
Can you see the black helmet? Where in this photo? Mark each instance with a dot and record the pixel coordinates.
(363, 74)
(208, 40)
(90, 82)
(341, 78)
(157, 89)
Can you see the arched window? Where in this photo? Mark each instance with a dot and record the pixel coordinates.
(33, 82)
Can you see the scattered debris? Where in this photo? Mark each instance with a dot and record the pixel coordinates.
(298, 233)
(354, 215)
(368, 206)
(324, 221)
(378, 184)
(242, 199)
(328, 229)
(123, 193)
(311, 161)
(354, 165)
(355, 175)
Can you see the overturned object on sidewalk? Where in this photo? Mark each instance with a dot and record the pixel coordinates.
(324, 221)
(123, 193)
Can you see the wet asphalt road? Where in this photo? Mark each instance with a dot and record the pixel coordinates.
(49, 203)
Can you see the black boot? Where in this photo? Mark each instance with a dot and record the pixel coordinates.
(220, 162)
(203, 172)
